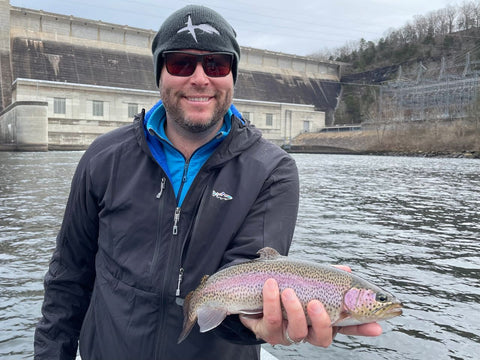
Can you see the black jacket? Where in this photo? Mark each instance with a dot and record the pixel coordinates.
(125, 253)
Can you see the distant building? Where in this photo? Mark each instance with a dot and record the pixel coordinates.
(65, 80)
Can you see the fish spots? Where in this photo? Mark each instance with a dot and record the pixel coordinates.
(367, 304)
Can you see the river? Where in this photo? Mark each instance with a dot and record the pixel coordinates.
(411, 225)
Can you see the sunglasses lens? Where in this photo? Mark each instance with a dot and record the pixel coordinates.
(217, 65)
(180, 64)
(184, 64)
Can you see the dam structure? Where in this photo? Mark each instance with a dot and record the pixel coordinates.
(65, 80)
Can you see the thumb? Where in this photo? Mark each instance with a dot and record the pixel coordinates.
(249, 321)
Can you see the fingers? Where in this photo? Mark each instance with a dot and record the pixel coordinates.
(371, 329)
(343, 267)
(297, 327)
(270, 327)
(274, 329)
(272, 313)
(320, 333)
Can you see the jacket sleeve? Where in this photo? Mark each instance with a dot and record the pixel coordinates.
(71, 274)
(270, 222)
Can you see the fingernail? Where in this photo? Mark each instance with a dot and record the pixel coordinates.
(270, 285)
(289, 295)
(316, 307)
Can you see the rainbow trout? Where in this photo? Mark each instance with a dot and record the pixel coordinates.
(348, 299)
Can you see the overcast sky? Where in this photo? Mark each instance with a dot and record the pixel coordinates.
(298, 27)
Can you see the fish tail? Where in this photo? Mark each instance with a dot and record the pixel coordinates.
(189, 317)
(190, 311)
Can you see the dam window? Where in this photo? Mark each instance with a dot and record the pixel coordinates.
(132, 110)
(59, 105)
(306, 126)
(269, 120)
(97, 108)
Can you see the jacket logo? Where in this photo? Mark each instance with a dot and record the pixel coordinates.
(222, 195)
(191, 29)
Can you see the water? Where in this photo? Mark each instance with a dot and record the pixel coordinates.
(410, 224)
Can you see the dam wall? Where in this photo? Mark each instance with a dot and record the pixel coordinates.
(94, 76)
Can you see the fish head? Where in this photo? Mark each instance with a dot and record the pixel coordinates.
(368, 304)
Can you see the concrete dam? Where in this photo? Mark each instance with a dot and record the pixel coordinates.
(66, 80)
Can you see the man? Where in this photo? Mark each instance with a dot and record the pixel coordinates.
(185, 190)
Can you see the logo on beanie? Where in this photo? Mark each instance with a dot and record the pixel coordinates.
(191, 29)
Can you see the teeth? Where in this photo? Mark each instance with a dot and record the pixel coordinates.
(198, 99)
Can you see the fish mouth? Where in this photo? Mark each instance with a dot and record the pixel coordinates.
(389, 311)
(394, 310)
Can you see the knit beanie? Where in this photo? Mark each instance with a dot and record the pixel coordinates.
(195, 27)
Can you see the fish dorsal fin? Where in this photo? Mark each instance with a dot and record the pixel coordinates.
(267, 253)
(210, 317)
(203, 281)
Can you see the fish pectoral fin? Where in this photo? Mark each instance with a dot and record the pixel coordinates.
(210, 317)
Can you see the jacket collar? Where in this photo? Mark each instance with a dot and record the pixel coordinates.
(242, 135)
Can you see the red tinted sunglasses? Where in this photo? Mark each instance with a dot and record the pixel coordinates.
(180, 63)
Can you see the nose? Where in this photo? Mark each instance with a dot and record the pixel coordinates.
(199, 75)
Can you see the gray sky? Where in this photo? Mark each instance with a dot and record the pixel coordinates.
(298, 27)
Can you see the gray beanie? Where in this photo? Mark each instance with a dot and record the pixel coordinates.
(195, 27)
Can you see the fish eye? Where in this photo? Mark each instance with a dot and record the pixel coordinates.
(380, 297)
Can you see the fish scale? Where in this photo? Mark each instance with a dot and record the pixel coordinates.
(347, 298)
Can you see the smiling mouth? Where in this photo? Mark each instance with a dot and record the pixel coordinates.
(198, 99)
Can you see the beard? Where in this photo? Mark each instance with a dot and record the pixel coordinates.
(176, 113)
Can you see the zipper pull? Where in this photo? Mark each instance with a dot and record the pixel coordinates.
(162, 187)
(180, 278)
(185, 171)
(176, 218)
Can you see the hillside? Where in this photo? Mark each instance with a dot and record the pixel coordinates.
(415, 91)
(453, 55)
(443, 43)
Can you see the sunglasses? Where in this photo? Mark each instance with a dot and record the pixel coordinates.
(180, 63)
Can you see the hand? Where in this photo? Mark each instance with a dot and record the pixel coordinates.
(273, 329)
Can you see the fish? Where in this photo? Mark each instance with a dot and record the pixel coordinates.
(348, 299)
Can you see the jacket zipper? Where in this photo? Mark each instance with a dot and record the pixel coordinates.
(180, 278)
(181, 271)
(176, 219)
(161, 210)
(184, 179)
(162, 187)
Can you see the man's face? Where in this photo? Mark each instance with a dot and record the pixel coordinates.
(197, 103)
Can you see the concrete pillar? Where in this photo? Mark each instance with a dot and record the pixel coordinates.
(24, 126)
(4, 25)
(5, 70)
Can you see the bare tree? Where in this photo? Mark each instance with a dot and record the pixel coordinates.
(476, 13)
(409, 33)
(451, 15)
(436, 21)
(466, 18)
(420, 23)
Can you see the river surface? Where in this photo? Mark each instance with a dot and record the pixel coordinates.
(411, 225)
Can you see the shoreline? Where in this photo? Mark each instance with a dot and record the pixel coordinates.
(447, 141)
(314, 149)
